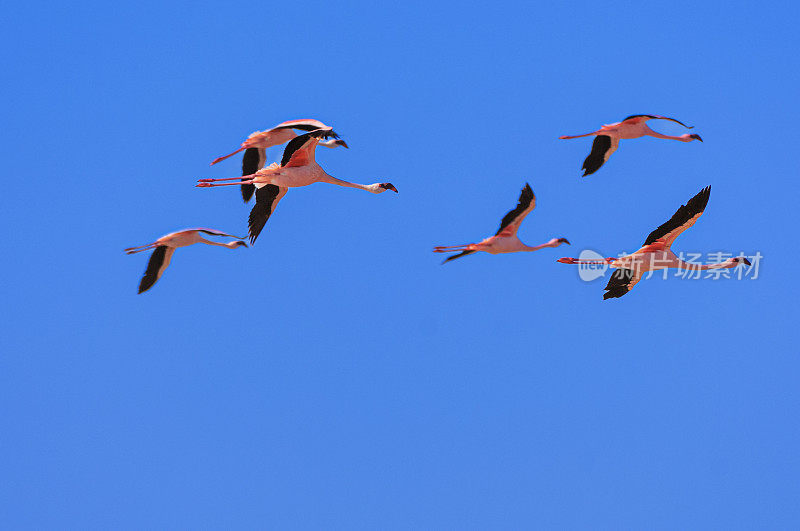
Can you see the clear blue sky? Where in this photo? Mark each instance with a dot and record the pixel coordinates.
(335, 376)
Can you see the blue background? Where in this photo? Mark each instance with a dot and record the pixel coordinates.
(335, 376)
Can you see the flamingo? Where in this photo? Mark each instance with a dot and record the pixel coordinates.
(255, 155)
(607, 138)
(656, 254)
(297, 168)
(505, 240)
(166, 245)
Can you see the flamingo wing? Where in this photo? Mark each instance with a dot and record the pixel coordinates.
(684, 218)
(306, 124)
(621, 282)
(300, 150)
(158, 262)
(602, 148)
(267, 198)
(637, 118)
(511, 221)
(214, 232)
(253, 160)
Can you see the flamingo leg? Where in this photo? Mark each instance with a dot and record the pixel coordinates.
(455, 248)
(242, 178)
(134, 250)
(448, 246)
(578, 136)
(218, 159)
(206, 184)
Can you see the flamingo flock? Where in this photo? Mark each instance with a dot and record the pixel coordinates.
(298, 167)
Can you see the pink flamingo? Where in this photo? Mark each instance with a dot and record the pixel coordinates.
(656, 254)
(165, 246)
(607, 138)
(505, 239)
(255, 155)
(297, 168)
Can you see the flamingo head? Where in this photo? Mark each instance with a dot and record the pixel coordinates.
(739, 260)
(563, 240)
(379, 188)
(693, 136)
(236, 243)
(340, 142)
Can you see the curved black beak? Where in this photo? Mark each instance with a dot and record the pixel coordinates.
(746, 261)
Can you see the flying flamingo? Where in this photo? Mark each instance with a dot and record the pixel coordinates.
(505, 240)
(656, 254)
(166, 245)
(255, 155)
(607, 138)
(297, 168)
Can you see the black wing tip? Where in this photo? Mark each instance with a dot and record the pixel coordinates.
(596, 158)
(262, 210)
(614, 293)
(525, 198)
(150, 276)
(253, 228)
(694, 206)
(256, 221)
(618, 284)
(654, 117)
(699, 202)
(247, 192)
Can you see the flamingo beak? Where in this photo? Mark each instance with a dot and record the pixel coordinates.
(389, 186)
(746, 261)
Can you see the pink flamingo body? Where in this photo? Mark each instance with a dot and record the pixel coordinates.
(164, 247)
(608, 136)
(656, 253)
(505, 239)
